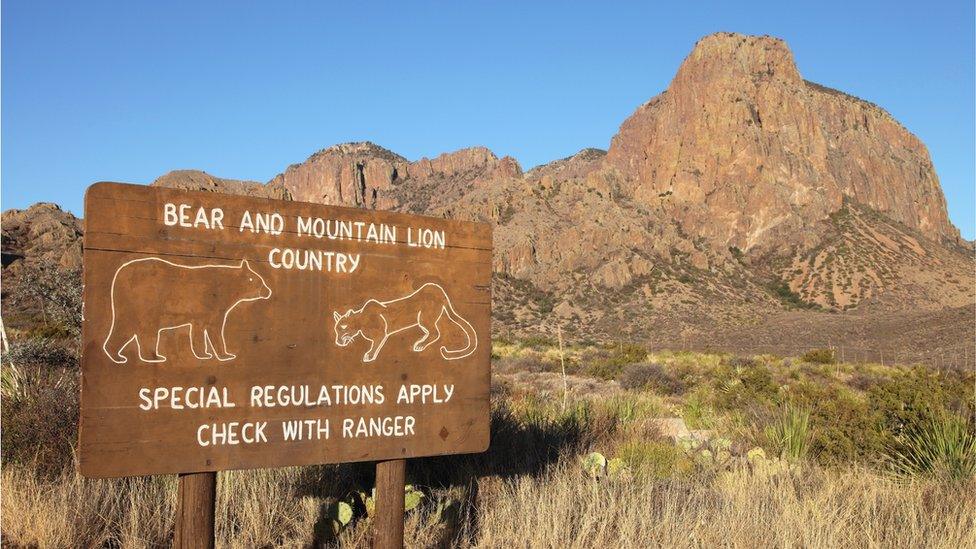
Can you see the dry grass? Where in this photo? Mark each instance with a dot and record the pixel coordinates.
(529, 490)
(812, 508)
(560, 508)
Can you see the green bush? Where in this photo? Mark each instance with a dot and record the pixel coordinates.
(782, 291)
(610, 362)
(820, 356)
(911, 397)
(743, 387)
(653, 376)
(538, 343)
(847, 428)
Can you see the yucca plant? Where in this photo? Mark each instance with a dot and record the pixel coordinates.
(789, 433)
(942, 445)
(11, 382)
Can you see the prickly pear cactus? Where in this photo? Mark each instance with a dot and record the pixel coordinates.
(617, 469)
(411, 497)
(341, 515)
(369, 501)
(756, 455)
(595, 464)
(759, 464)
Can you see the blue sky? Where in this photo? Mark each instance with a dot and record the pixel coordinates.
(126, 91)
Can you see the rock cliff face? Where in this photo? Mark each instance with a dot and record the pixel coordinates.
(365, 175)
(743, 152)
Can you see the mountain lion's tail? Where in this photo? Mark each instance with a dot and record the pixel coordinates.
(468, 331)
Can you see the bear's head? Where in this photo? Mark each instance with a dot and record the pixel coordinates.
(254, 286)
(346, 327)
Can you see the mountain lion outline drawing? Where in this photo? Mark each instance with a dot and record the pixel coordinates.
(199, 297)
(423, 308)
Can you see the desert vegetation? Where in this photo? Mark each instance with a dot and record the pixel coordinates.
(630, 448)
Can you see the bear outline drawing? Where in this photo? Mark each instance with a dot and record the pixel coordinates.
(204, 325)
(422, 308)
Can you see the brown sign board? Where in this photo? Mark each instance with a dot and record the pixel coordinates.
(229, 332)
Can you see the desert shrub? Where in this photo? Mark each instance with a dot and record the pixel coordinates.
(742, 362)
(909, 398)
(525, 363)
(820, 356)
(846, 430)
(603, 370)
(41, 351)
(56, 292)
(697, 413)
(862, 381)
(579, 426)
(629, 408)
(626, 353)
(538, 342)
(609, 363)
(655, 458)
(652, 375)
(943, 445)
(781, 289)
(743, 387)
(789, 434)
(40, 418)
(500, 389)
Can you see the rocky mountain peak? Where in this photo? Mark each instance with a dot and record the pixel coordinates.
(462, 161)
(741, 151)
(728, 56)
(360, 149)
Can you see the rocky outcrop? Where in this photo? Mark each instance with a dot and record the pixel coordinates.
(743, 152)
(365, 175)
(351, 174)
(196, 180)
(43, 233)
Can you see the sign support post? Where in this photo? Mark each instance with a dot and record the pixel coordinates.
(196, 503)
(390, 484)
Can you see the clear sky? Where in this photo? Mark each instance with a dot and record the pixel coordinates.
(128, 90)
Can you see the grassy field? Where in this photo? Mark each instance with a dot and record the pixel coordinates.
(779, 452)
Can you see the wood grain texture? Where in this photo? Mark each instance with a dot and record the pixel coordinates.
(390, 484)
(196, 500)
(213, 310)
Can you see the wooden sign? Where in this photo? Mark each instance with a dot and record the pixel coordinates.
(227, 332)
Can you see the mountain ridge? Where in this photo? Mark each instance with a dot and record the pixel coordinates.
(740, 192)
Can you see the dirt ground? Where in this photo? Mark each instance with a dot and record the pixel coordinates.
(944, 338)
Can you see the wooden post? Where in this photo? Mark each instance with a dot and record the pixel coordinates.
(388, 533)
(196, 503)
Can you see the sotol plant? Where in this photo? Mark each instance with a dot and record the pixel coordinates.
(942, 445)
(789, 434)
